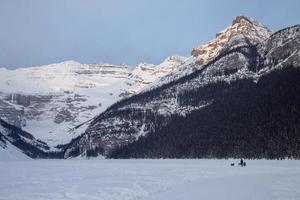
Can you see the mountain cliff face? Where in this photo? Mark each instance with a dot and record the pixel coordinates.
(245, 61)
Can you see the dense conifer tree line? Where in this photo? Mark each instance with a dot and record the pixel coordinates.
(246, 119)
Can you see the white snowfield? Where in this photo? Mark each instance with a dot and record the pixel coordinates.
(149, 179)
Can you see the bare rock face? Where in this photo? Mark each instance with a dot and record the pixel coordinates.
(242, 26)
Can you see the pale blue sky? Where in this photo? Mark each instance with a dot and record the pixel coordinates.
(35, 32)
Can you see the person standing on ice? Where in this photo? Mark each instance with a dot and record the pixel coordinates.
(241, 163)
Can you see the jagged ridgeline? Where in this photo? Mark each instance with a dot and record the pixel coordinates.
(242, 103)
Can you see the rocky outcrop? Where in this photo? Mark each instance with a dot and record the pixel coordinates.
(242, 26)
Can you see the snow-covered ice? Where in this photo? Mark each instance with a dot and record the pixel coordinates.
(149, 179)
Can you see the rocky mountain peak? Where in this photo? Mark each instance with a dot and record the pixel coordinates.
(244, 19)
(241, 27)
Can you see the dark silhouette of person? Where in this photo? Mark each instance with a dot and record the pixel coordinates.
(241, 163)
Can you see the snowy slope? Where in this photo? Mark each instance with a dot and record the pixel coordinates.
(8, 152)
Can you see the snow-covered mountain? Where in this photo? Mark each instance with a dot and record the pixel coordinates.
(49, 101)
(242, 58)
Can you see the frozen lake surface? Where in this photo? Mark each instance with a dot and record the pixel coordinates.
(149, 179)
